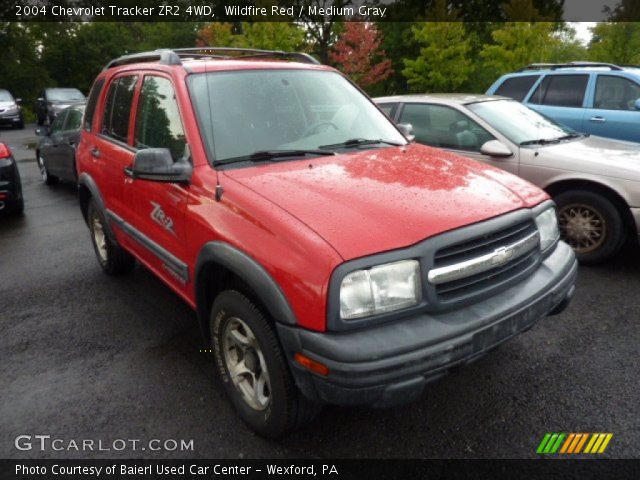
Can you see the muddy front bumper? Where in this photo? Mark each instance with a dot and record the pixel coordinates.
(390, 364)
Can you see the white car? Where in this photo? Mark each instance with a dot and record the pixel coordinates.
(594, 181)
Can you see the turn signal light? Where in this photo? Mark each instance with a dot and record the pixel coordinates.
(311, 364)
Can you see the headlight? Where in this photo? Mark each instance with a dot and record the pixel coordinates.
(380, 289)
(12, 109)
(547, 223)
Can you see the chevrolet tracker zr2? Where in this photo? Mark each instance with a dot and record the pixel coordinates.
(329, 259)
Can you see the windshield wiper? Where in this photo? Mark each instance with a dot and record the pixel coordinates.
(571, 136)
(540, 141)
(357, 142)
(267, 155)
(548, 141)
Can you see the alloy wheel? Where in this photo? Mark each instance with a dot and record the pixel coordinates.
(246, 364)
(99, 238)
(43, 169)
(582, 227)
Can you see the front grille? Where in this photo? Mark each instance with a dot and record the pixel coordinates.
(489, 280)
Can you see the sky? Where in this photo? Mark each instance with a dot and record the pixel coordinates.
(582, 30)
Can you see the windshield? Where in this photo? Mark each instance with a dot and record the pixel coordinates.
(518, 123)
(5, 96)
(244, 112)
(64, 95)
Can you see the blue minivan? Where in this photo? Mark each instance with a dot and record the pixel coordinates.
(595, 98)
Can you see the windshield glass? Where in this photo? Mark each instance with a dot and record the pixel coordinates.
(64, 95)
(243, 112)
(5, 96)
(518, 123)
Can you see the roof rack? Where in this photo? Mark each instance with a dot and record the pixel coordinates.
(175, 56)
(556, 66)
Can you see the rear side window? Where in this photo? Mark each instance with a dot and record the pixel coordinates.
(561, 90)
(74, 120)
(115, 121)
(158, 123)
(517, 87)
(91, 103)
(616, 93)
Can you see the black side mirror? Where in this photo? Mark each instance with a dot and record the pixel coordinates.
(406, 129)
(157, 165)
(42, 131)
(40, 99)
(18, 101)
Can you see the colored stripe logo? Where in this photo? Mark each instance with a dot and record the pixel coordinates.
(572, 443)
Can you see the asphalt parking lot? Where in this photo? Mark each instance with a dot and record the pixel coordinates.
(86, 356)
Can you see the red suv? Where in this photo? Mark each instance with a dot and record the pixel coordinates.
(329, 259)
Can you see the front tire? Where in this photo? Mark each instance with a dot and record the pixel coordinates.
(44, 173)
(591, 224)
(253, 369)
(113, 259)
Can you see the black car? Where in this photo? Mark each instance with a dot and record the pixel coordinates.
(10, 110)
(56, 151)
(11, 200)
(53, 100)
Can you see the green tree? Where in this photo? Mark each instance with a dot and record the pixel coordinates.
(263, 35)
(21, 71)
(518, 44)
(616, 42)
(443, 63)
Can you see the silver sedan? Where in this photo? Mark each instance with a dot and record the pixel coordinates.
(594, 181)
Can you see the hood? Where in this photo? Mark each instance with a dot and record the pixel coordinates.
(377, 200)
(598, 156)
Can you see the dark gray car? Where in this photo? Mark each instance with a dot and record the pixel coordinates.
(56, 151)
(52, 101)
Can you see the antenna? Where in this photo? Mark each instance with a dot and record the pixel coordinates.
(219, 189)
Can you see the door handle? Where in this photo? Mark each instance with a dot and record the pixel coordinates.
(128, 171)
(95, 153)
(598, 119)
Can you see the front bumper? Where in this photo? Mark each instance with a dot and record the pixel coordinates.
(391, 363)
(10, 119)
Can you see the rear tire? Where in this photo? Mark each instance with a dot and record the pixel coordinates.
(261, 387)
(591, 224)
(113, 259)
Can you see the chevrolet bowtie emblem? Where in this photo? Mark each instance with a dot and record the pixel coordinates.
(501, 255)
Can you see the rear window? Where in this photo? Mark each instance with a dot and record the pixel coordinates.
(92, 102)
(5, 96)
(561, 90)
(115, 121)
(517, 87)
(64, 95)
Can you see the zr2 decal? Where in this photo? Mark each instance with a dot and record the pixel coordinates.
(158, 216)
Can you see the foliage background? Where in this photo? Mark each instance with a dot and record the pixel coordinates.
(454, 51)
